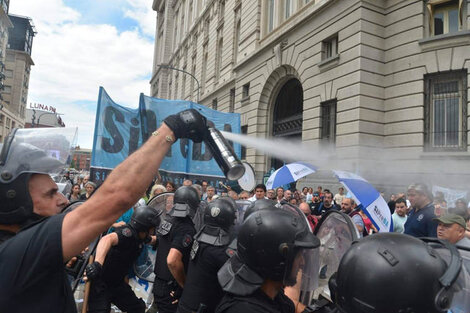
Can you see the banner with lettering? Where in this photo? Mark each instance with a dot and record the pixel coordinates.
(119, 131)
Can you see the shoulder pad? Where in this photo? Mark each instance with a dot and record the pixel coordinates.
(126, 232)
(165, 227)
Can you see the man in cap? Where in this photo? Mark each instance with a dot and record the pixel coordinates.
(420, 221)
(451, 227)
(36, 240)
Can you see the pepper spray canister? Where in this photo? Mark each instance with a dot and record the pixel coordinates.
(223, 154)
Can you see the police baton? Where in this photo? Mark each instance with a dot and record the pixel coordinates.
(86, 293)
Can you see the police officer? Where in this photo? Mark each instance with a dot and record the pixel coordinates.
(115, 254)
(209, 252)
(34, 249)
(271, 252)
(392, 272)
(174, 239)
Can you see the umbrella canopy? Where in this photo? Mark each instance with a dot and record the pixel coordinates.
(373, 205)
(289, 173)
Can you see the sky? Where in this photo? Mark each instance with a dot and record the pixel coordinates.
(81, 45)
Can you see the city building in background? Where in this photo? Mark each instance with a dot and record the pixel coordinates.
(40, 115)
(5, 25)
(366, 84)
(81, 159)
(18, 64)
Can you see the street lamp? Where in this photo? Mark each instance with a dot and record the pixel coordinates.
(183, 71)
(35, 124)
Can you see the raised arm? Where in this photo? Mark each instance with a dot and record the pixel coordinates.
(126, 183)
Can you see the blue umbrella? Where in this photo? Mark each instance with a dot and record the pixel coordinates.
(289, 173)
(373, 205)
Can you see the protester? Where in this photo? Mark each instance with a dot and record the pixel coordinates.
(170, 187)
(451, 227)
(210, 190)
(315, 204)
(157, 189)
(260, 192)
(34, 249)
(244, 195)
(74, 195)
(399, 216)
(271, 194)
(326, 205)
(420, 221)
(279, 194)
(348, 206)
(90, 188)
(312, 220)
(339, 196)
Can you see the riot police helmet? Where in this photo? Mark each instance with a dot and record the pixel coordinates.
(24, 153)
(391, 272)
(185, 202)
(260, 204)
(144, 218)
(270, 240)
(221, 212)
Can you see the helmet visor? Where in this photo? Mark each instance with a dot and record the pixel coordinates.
(301, 277)
(36, 150)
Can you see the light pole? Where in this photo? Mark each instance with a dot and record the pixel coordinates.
(183, 71)
(35, 124)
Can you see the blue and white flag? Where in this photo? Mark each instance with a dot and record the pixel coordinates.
(119, 131)
(373, 205)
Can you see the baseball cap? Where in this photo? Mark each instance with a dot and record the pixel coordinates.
(316, 194)
(451, 218)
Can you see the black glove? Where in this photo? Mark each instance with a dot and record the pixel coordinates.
(93, 270)
(176, 290)
(188, 124)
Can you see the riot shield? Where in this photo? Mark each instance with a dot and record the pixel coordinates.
(145, 263)
(336, 232)
(461, 287)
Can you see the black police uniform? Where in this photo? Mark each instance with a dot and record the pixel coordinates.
(177, 233)
(32, 276)
(201, 286)
(258, 302)
(110, 287)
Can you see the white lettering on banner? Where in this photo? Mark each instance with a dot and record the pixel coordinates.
(42, 107)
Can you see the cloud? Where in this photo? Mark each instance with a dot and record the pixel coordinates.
(72, 59)
(139, 11)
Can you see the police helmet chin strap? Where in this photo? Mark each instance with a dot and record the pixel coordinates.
(443, 298)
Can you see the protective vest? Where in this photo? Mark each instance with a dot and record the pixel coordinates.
(164, 245)
(201, 285)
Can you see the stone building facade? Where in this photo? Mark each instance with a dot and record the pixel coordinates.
(375, 87)
(5, 25)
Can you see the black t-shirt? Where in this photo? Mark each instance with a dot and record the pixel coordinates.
(32, 276)
(121, 256)
(258, 302)
(201, 284)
